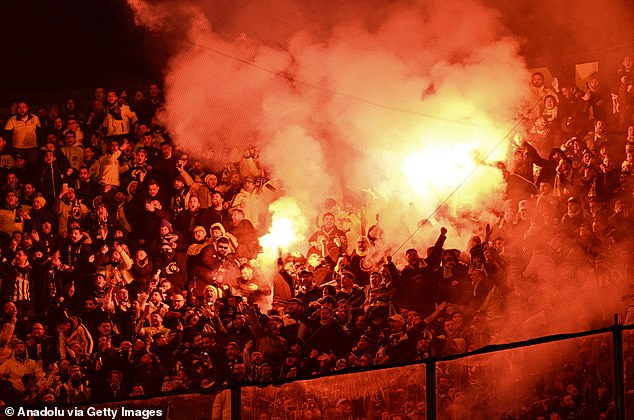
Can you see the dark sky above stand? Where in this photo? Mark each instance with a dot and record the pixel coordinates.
(49, 45)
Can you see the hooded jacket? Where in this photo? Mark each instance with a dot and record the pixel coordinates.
(13, 369)
(78, 333)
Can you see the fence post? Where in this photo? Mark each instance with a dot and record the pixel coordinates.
(236, 403)
(430, 387)
(619, 374)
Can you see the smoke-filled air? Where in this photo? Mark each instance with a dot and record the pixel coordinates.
(398, 108)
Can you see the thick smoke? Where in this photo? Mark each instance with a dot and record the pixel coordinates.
(358, 88)
(391, 102)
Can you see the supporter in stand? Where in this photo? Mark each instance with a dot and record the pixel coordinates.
(157, 264)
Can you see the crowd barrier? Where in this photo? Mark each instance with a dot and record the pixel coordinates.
(495, 382)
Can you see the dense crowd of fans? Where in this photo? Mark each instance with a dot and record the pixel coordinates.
(127, 268)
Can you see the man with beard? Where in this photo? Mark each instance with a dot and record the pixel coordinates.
(200, 241)
(140, 167)
(76, 390)
(13, 215)
(218, 208)
(166, 170)
(18, 285)
(328, 240)
(74, 253)
(18, 365)
(87, 189)
(24, 128)
(93, 165)
(417, 286)
(203, 188)
(101, 226)
(359, 265)
(53, 177)
(148, 208)
(40, 346)
(326, 335)
(173, 266)
(68, 208)
(26, 173)
(215, 266)
(119, 117)
(249, 200)
(245, 234)
(230, 190)
(194, 216)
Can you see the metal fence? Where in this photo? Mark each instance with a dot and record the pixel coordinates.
(507, 381)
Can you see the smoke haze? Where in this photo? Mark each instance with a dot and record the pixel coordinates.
(393, 98)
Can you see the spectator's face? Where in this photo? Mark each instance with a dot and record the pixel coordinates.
(154, 91)
(88, 154)
(112, 98)
(194, 203)
(237, 217)
(257, 358)
(72, 125)
(178, 301)
(212, 181)
(326, 314)
(155, 319)
(12, 199)
(247, 273)
(178, 185)
(216, 199)
(206, 343)
(22, 110)
(549, 103)
(84, 175)
(249, 185)
(412, 258)
(223, 248)
(37, 331)
(70, 195)
(141, 157)
(307, 279)
(155, 298)
(12, 180)
(166, 151)
(594, 83)
(47, 227)
(89, 304)
(153, 190)
(114, 146)
(329, 221)
(232, 351)
(21, 258)
(267, 373)
(346, 281)
(199, 235)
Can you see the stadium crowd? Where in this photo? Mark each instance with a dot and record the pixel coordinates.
(127, 267)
